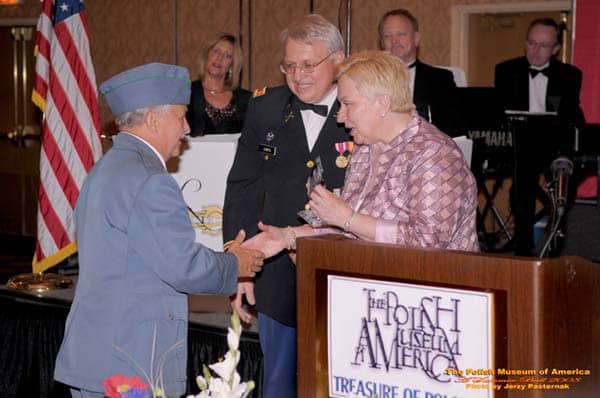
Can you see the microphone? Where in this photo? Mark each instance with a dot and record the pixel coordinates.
(561, 168)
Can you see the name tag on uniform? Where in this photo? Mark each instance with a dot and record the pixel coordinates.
(267, 149)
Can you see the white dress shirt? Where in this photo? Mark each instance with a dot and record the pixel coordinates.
(411, 79)
(313, 122)
(538, 86)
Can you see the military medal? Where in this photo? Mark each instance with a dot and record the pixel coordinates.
(343, 147)
(341, 161)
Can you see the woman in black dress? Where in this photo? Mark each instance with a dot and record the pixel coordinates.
(218, 105)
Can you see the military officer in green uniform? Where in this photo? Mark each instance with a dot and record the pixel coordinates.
(286, 129)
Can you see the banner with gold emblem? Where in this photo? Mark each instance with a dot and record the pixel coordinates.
(201, 173)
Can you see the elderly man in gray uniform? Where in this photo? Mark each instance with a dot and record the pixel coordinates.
(138, 258)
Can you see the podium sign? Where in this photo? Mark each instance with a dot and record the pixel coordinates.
(201, 173)
(546, 320)
(402, 338)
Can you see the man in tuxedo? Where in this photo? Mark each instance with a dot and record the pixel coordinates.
(433, 88)
(538, 82)
(286, 129)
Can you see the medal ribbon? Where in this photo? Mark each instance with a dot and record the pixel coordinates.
(342, 147)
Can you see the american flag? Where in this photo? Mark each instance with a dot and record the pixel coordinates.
(65, 90)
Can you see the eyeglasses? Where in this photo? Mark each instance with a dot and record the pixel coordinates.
(535, 44)
(290, 69)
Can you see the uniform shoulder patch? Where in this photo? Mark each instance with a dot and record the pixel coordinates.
(259, 92)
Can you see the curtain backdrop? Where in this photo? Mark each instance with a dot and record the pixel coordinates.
(587, 55)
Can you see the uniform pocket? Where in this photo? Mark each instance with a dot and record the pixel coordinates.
(152, 335)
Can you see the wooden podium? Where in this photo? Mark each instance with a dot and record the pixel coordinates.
(546, 312)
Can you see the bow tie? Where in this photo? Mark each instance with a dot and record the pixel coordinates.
(534, 72)
(318, 109)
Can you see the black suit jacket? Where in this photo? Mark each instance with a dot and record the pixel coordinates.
(200, 123)
(562, 96)
(434, 92)
(267, 183)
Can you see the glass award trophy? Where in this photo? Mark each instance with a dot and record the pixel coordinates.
(316, 178)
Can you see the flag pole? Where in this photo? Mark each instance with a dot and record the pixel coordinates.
(66, 92)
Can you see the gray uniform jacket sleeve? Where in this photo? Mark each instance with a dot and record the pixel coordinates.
(160, 232)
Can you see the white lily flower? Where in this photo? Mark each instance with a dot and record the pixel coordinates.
(228, 384)
(226, 368)
(233, 339)
(236, 379)
(238, 390)
(201, 382)
(218, 386)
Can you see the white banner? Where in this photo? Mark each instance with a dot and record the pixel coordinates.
(398, 340)
(201, 172)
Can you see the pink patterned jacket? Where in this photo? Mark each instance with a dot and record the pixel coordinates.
(418, 187)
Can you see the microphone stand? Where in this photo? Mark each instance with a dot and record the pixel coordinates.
(552, 237)
(556, 221)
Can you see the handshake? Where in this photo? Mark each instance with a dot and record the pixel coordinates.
(252, 252)
(250, 259)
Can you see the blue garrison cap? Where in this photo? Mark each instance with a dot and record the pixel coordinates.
(147, 85)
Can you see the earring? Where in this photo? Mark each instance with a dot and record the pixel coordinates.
(382, 115)
(229, 73)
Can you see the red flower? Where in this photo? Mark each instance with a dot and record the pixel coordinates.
(115, 385)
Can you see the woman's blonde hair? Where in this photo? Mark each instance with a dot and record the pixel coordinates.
(232, 78)
(380, 73)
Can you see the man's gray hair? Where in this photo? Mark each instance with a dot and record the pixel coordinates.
(314, 28)
(133, 118)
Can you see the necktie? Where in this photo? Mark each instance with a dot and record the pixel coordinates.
(534, 72)
(318, 109)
